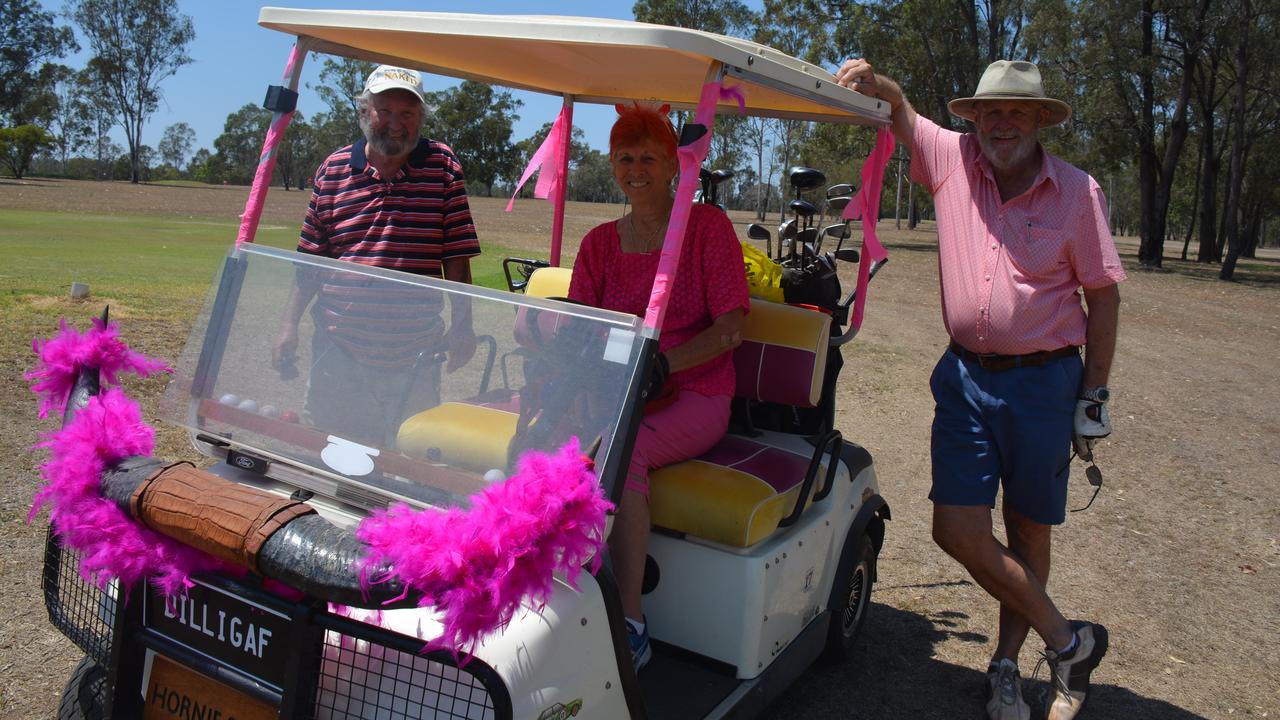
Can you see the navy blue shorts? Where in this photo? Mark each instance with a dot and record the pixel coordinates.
(1011, 427)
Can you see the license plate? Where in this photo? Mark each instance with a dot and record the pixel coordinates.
(236, 633)
(174, 691)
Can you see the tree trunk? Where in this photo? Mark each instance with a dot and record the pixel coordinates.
(1151, 251)
(1208, 176)
(1195, 203)
(1178, 130)
(1252, 231)
(1231, 224)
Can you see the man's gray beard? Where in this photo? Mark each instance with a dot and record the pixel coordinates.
(1021, 155)
(383, 145)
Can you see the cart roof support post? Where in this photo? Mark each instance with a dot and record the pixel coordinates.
(557, 219)
(267, 160)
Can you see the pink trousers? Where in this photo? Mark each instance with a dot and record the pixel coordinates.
(684, 429)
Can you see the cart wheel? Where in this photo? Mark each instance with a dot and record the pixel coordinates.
(85, 694)
(850, 597)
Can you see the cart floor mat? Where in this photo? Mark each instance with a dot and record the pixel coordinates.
(680, 684)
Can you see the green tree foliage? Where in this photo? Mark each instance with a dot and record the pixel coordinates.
(240, 145)
(476, 120)
(936, 49)
(93, 110)
(28, 40)
(726, 17)
(136, 45)
(68, 125)
(298, 155)
(199, 168)
(19, 144)
(340, 86)
(591, 180)
(176, 143)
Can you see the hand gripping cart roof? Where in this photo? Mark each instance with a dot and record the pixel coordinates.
(764, 549)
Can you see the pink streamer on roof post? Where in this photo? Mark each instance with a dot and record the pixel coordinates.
(551, 162)
(690, 158)
(867, 207)
(267, 160)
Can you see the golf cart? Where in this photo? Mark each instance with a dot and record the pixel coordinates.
(764, 549)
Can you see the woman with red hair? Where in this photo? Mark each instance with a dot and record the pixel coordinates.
(614, 269)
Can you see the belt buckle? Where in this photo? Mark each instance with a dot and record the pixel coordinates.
(983, 358)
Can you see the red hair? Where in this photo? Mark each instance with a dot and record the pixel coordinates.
(638, 123)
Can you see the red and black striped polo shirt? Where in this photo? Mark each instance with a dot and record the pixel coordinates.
(413, 223)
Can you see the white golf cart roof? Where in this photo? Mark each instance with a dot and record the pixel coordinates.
(593, 60)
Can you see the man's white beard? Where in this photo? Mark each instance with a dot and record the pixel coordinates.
(999, 160)
(381, 144)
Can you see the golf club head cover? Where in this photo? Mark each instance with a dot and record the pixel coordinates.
(1092, 421)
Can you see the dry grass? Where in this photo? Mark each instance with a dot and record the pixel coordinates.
(1179, 556)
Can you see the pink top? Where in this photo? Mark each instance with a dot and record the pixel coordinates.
(711, 282)
(1010, 272)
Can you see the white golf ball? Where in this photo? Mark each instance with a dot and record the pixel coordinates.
(229, 399)
(494, 476)
(249, 405)
(269, 410)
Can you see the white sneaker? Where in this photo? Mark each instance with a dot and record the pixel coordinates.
(1069, 674)
(1004, 692)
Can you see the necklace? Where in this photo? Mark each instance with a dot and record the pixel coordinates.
(645, 245)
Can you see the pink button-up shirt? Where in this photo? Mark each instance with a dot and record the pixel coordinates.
(1011, 271)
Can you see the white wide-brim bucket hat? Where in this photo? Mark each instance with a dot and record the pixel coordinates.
(1011, 80)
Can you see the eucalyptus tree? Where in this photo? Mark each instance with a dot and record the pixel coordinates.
(29, 40)
(476, 121)
(136, 45)
(176, 143)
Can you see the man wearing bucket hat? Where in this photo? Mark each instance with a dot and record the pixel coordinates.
(1020, 234)
(392, 200)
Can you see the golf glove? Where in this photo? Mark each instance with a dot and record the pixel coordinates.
(1092, 421)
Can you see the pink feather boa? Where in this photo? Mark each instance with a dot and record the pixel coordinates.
(108, 429)
(63, 355)
(477, 566)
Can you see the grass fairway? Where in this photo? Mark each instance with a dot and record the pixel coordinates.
(153, 266)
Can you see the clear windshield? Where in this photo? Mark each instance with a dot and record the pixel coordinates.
(368, 398)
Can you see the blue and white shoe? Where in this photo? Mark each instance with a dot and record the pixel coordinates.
(638, 638)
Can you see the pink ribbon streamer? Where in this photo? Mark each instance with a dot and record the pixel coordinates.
(734, 93)
(266, 163)
(547, 157)
(690, 158)
(867, 207)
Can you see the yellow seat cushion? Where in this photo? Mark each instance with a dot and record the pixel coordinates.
(549, 282)
(470, 436)
(734, 494)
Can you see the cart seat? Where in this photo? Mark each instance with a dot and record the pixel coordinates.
(735, 494)
(739, 491)
(475, 434)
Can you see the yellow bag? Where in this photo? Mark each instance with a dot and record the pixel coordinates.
(764, 276)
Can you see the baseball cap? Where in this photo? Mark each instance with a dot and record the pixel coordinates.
(390, 77)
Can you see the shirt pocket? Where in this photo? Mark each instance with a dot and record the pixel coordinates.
(1040, 251)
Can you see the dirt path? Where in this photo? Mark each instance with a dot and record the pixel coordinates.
(1179, 555)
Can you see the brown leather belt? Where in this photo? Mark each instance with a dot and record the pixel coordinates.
(998, 363)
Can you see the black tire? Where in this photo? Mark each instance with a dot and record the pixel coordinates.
(86, 693)
(850, 597)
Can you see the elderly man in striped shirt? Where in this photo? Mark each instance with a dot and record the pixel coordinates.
(391, 200)
(1020, 233)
